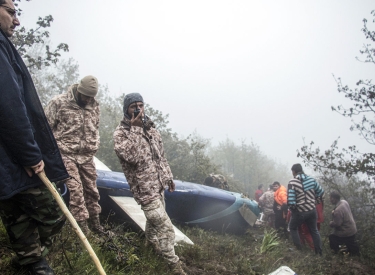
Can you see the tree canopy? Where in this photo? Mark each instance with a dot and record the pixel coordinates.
(351, 161)
(26, 39)
(191, 158)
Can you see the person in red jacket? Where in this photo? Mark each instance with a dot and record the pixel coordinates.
(259, 192)
(280, 207)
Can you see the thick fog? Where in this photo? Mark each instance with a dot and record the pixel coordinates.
(258, 71)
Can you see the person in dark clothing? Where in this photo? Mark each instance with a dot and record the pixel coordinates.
(343, 224)
(28, 210)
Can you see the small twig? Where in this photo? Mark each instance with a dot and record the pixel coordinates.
(277, 261)
(66, 257)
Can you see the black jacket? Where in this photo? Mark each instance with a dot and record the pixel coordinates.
(25, 136)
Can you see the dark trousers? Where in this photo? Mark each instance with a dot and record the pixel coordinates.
(281, 212)
(280, 222)
(309, 218)
(351, 244)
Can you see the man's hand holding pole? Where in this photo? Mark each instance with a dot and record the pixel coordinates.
(36, 168)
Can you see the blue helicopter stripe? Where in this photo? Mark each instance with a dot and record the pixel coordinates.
(231, 209)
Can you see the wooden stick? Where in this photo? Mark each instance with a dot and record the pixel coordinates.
(73, 222)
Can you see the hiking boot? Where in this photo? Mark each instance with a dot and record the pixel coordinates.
(177, 269)
(85, 229)
(40, 268)
(97, 228)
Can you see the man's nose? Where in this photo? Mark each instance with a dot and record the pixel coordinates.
(16, 21)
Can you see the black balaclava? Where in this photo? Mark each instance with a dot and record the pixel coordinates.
(129, 99)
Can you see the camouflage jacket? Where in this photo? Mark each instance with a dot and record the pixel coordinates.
(76, 129)
(267, 200)
(141, 154)
(219, 181)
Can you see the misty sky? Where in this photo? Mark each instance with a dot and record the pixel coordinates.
(254, 70)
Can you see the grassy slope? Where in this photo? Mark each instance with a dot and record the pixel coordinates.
(213, 253)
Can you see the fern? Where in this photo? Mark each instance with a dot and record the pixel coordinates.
(270, 241)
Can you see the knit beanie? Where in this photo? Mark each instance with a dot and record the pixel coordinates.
(129, 99)
(88, 86)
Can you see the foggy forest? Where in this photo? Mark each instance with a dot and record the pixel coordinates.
(243, 161)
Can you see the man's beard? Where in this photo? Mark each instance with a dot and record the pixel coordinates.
(80, 102)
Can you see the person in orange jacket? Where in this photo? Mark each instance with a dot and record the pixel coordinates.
(280, 207)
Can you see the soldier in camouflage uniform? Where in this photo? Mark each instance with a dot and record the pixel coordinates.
(217, 181)
(266, 202)
(74, 119)
(28, 210)
(140, 150)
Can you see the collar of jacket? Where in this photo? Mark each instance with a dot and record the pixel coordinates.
(125, 122)
(301, 177)
(337, 204)
(5, 37)
(73, 101)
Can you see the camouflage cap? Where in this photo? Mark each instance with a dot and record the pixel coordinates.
(129, 99)
(88, 86)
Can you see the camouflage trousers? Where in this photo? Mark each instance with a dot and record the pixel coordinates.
(84, 194)
(159, 229)
(31, 218)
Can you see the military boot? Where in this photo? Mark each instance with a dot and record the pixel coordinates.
(97, 228)
(177, 269)
(85, 229)
(14, 261)
(40, 268)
